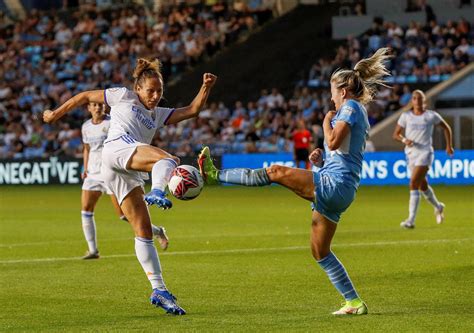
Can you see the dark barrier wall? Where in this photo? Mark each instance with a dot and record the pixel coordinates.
(51, 171)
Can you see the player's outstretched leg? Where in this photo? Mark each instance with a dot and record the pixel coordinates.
(237, 176)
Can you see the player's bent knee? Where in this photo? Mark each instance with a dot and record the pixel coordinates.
(276, 172)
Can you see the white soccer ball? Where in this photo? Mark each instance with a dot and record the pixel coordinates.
(186, 182)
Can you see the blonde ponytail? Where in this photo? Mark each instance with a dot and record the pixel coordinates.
(367, 74)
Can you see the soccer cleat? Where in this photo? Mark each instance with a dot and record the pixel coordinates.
(91, 255)
(208, 171)
(164, 299)
(162, 238)
(356, 307)
(439, 213)
(407, 224)
(158, 197)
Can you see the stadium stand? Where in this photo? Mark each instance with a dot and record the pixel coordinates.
(252, 117)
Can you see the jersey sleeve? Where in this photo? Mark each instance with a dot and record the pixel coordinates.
(112, 96)
(436, 118)
(163, 114)
(348, 114)
(402, 121)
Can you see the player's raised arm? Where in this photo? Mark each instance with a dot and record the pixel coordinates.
(92, 96)
(193, 109)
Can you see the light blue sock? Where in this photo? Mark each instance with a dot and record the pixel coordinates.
(246, 177)
(338, 276)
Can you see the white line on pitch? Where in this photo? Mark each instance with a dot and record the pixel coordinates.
(250, 250)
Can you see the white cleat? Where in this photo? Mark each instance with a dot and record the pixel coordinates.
(348, 309)
(439, 213)
(407, 224)
(162, 238)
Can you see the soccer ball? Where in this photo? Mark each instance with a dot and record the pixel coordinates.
(186, 182)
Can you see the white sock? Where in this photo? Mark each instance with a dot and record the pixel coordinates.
(161, 173)
(88, 226)
(431, 197)
(413, 207)
(148, 258)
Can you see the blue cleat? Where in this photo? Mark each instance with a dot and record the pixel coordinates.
(158, 197)
(164, 299)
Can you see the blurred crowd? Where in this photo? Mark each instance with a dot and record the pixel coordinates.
(423, 54)
(46, 59)
(427, 53)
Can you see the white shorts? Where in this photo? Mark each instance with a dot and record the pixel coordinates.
(417, 157)
(115, 156)
(94, 184)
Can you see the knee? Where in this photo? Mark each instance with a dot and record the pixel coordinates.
(87, 207)
(276, 171)
(143, 231)
(414, 184)
(318, 251)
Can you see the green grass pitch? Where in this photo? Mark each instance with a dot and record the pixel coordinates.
(239, 260)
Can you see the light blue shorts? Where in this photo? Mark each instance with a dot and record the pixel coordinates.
(333, 195)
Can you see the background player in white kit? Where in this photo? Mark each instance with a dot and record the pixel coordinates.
(417, 125)
(94, 132)
(127, 154)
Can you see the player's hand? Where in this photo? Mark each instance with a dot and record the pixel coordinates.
(408, 142)
(49, 116)
(329, 115)
(316, 157)
(84, 175)
(450, 151)
(209, 80)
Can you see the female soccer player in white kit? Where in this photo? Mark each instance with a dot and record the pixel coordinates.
(127, 154)
(94, 132)
(417, 125)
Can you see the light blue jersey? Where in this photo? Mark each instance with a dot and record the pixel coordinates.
(337, 181)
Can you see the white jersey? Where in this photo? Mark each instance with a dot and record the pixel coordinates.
(130, 117)
(419, 128)
(94, 135)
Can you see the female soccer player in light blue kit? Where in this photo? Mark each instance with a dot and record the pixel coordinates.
(127, 155)
(331, 189)
(417, 125)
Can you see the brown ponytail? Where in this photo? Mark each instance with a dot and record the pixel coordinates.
(146, 69)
